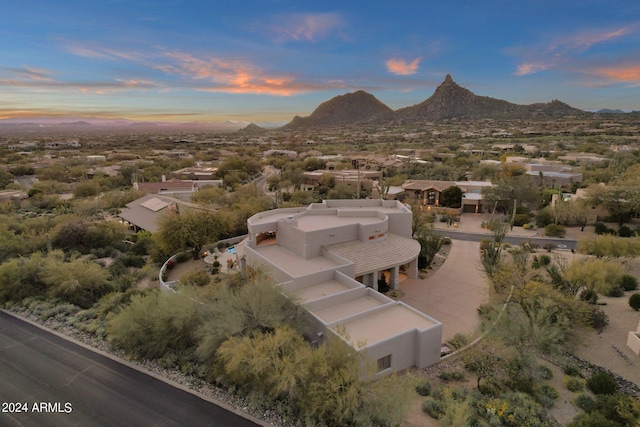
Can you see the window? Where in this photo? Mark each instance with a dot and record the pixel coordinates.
(384, 363)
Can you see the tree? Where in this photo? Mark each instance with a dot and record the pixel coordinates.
(430, 244)
(486, 360)
(191, 229)
(451, 197)
(6, 178)
(252, 308)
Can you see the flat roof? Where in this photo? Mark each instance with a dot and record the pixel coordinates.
(319, 290)
(382, 324)
(293, 264)
(310, 222)
(347, 308)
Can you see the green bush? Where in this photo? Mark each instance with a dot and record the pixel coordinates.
(458, 341)
(554, 230)
(451, 376)
(434, 408)
(573, 371)
(634, 301)
(628, 282)
(573, 384)
(424, 388)
(616, 292)
(521, 219)
(601, 228)
(599, 319)
(544, 259)
(602, 383)
(544, 218)
(545, 395)
(585, 402)
(625, 231)
(544, 372)
(589, 295)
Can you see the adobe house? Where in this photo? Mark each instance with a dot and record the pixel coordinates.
(331, 256)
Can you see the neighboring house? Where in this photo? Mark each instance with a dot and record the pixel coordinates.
(145, 213)
(330, 257)
(171, 188)
(350, 177)
(196, 173)
(429, 192)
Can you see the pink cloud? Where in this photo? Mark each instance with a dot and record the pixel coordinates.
(402, 67)
(563, 50)
(306, 26)
(236, 76)
(531, 68)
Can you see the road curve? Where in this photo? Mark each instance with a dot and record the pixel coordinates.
(47, 380)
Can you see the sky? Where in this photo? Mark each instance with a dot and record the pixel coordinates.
(268, 60)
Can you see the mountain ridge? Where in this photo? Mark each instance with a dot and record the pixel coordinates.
(449, 100)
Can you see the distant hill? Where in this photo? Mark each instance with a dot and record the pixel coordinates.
(451, 100)
(608, 111)
(345, 109)
(252, 129)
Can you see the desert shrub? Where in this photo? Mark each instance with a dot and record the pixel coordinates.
(194, 278)
(573, 384)
(544, 218)
(451, 376)
(434, 408)
(491, 388)
(634, 301)
(544, 259)
(458, 341)
(521, 219)
(625, 231)
(599, 319)
(602, 383)
(424, 388)
(132, 260)
(544, 372)
(153, 324)
(572, 371)
(628, 282)
(554, 230)
(59, 312)
(608, 410)
(616, 292)
(589, 295)
(549, 247)
(601, 228)
(585, 402)
(545, 395)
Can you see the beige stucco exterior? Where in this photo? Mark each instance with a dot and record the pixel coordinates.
(317, 253)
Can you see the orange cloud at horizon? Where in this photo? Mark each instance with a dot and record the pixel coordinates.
(625, 73)
(402, 67)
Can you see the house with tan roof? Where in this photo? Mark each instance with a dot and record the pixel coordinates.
(330, 258)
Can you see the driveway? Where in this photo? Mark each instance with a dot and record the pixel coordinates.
(453, 292)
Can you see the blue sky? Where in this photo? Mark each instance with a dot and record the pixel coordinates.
(181, 60)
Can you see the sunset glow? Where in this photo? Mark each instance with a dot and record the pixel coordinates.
(182, 61)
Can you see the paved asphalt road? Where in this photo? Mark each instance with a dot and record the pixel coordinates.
(84, 388)
(514, 240)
